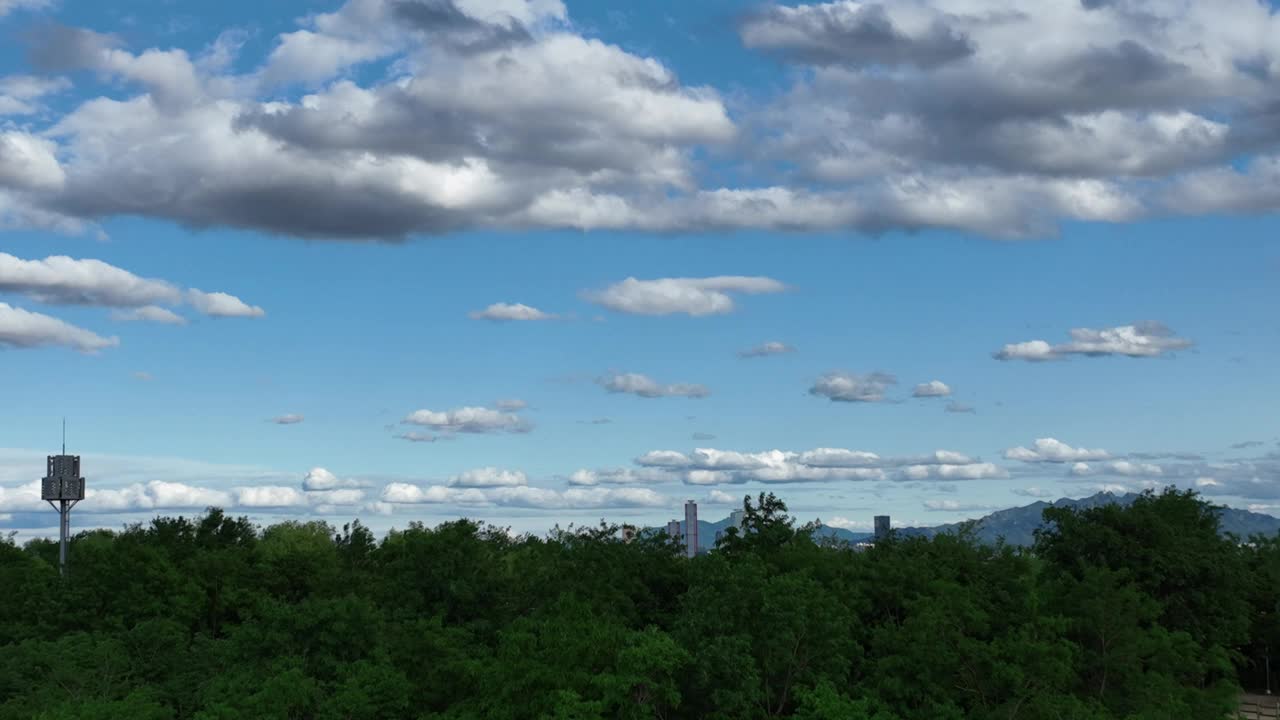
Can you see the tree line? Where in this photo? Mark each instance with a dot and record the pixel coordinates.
(1142, 612)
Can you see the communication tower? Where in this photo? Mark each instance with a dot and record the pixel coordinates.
(63, 487)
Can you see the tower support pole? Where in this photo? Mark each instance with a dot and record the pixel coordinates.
(64, 513)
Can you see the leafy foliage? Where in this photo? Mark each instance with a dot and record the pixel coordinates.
(1117, 612)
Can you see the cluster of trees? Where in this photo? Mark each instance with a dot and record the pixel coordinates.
(1140, 612)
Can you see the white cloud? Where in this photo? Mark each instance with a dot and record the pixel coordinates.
(421, 437)
(156, 494)
(972, 471)
(933, 388)
(720, 497)
(953, 506)
(474, 420)
(149, 313)
(270, 496)
(1124, 468)
(343, 497)
(63, 280)
(848, 387)
(25, 329)
(1034, 492)
(22, 498)
(525, 496)
(619, 476)
(845, 523)
(505, 312)
(839, 457)
(290, 419)
(1147, 339)
(320, 479)
(690, 296)
(218, 304)
(709, 466)
(646, 387)
(1054, 451)
(766, 349)
(21, 94)
(915, 114)
(488, 477)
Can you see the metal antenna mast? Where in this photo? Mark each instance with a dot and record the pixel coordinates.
(63, 488)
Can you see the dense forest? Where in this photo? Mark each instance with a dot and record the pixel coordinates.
(1138, 612)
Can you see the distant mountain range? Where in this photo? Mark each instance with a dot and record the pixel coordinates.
(1017, 525)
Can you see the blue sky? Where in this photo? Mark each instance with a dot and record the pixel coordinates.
(361, 183)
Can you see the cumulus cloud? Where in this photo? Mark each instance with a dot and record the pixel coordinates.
(1124, 468)
(938, 91)
(913, 114)
(149, 313)
(506, 312)
(471, 420)
(525, 497)
(421, 437)
(62, 280)
(290, 419)
(218, 304)
(845, 523)
(954, 506)
(646, 387)
(1034, 492)
(971, 471)
(22, 94)
(854, 34)
(720, 497)
(488, 477)
(933, 388)
(619, 476)
(25, 329)
(320, 479)
(269, 497)
(766, 349)
(839, 457)
(848, 387)
(709, 466)
(689, 296)
(157, 494)
(1146, 339)
(1052, 450)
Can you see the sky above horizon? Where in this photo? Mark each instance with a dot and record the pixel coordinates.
(539, 262)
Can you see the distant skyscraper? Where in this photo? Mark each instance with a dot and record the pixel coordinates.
(737, 518)
(882, 527)
(673, 531)
(690, 528)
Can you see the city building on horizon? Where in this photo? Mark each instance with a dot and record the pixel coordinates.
(881, 527)
(690, 529)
